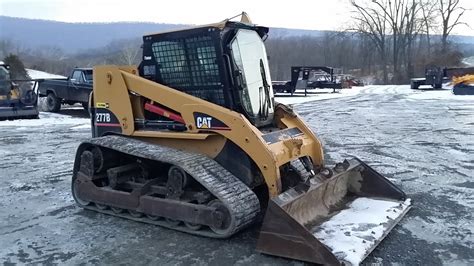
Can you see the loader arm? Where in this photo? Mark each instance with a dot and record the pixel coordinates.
(269, 150)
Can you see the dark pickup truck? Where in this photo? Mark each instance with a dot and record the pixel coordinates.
(75, 89)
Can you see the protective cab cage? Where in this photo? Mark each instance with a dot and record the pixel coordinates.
(198, 61)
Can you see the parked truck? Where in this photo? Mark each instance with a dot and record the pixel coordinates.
(74, 89)
(435, 76)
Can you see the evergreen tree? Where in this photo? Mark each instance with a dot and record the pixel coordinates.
(17, 69)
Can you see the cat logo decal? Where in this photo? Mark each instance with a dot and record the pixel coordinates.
(204, 121)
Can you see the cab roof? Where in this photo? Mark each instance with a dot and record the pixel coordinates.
(244, 22)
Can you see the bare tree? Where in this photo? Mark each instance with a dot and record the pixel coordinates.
(402, 16)
(366, 48)
(408, 36)
(429, 13)
(393, 14)
(129, 53)
(372, 23)
(451, 13)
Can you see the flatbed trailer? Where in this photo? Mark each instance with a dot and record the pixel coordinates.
(303, 77)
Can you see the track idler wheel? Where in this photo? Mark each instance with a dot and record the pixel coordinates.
(223, 215)
(85, 170)
(75, 195)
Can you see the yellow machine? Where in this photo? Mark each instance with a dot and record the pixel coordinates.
(467, 79)
(16, 103)
(193, 140)
(463, 85)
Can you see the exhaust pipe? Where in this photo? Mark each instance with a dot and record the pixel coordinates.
(338, 220)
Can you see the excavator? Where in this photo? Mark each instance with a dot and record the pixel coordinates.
(193, 140)
(16, 102)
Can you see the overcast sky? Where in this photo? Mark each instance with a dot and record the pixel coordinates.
(302, 14)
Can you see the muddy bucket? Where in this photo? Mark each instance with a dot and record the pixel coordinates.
(336, 220)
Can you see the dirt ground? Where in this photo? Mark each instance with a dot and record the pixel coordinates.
(421, 140)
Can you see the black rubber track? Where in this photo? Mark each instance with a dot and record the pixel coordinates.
(239, 199)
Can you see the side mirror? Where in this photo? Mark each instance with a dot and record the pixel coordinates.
(239, 79)
(72, 80)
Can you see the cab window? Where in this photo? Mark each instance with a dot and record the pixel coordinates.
(77, 76)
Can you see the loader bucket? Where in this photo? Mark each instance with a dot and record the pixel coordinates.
(12, 113)
(339, 220)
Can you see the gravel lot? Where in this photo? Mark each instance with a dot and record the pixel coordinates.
(422, 140)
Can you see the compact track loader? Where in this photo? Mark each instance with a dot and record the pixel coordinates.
(16, 102)
(193, 140)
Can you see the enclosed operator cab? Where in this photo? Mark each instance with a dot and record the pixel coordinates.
(224, 63)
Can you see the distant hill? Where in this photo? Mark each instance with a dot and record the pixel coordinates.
(73, 37)
(77, 37)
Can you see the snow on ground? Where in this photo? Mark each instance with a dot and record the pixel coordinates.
(47, 120)
(422, 140)
(424, 93)
(351, 233)
(85, 126)
(36, 74)
(443, 94)
(315, 95)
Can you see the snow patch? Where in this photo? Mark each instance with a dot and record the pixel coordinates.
(19, 186)
(46, 119)
(4, 152)
(36, 74)
(445, 94)
(437, 230)
(468, 61)
(351, 233)
(85, 126)
(315, 95)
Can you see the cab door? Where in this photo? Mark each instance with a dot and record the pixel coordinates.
(74, 85)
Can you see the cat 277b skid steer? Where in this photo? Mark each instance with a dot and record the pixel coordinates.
(192, 140)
